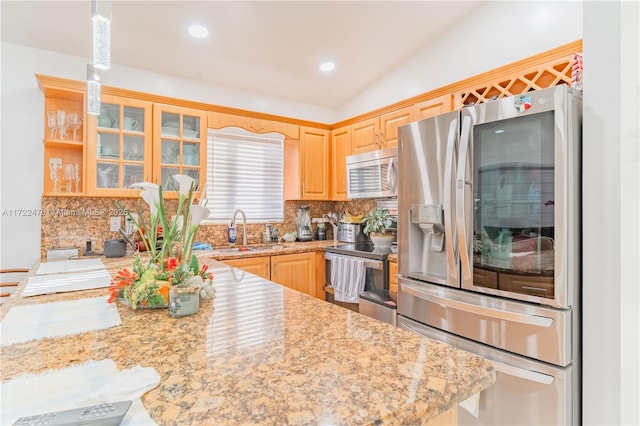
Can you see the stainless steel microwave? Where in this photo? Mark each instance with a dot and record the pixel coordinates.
(372, 174)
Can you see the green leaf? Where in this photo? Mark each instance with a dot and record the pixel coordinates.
(194, 264)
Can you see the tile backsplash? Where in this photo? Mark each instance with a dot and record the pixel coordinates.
(72, 221)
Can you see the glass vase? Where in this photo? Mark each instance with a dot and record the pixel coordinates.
(184, 301)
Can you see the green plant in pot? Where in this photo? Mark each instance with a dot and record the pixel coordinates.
(377, 222)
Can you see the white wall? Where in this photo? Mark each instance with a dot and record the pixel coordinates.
(496, 34)
(611, 213)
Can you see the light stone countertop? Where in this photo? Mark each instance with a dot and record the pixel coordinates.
(221, 253)
(262, 354)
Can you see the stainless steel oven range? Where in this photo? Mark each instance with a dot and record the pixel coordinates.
(374, 299)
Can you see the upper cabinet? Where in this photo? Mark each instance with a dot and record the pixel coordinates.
(340, 149)
(379, 132)
(307, 165)
(122, 152)
(64, 137)
(180, 142)
(139, 141)
(146, 137)
(365, 135)
(433, 107)
(389, 124)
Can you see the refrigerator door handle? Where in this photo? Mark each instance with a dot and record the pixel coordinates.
(450, 240)
(496, 314)
(461, 184)
(532, 376)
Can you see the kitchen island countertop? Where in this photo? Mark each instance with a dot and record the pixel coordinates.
(260, 353)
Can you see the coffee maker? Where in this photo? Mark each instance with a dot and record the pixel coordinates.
(304, 224)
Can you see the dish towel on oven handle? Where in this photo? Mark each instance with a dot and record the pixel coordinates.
(347, 278)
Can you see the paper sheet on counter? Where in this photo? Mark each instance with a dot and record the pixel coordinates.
(64, 389)
(69, 266)
(32, 322)
(59, 283)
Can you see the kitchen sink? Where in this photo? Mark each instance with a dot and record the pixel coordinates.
(230, 250)
(248, 249)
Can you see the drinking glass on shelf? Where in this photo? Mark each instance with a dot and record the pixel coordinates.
(55, 164)
(75, 121)
(52, 123)
(76, 175)
(61, 119)
(68, 176)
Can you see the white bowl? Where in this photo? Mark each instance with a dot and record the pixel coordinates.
(190, 134)
(169, 131)
(381, 240)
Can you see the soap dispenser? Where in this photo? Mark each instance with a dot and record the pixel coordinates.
(231, 232)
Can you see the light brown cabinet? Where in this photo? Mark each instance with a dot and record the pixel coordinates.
(433, 107)
(340, 149)
(132, 140)
(295, 271)
(140, 141)
(379, 132)
(64, 136)
(122, 152)
(180, 145)
(320, 274)
(259, 266)
(364, 135)
(393, 277)
(307, 166)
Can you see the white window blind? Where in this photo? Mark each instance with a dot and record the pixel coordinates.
(245, 171)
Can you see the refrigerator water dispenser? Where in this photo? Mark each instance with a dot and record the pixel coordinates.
(429, 218)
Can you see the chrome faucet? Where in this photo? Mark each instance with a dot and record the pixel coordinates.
(244, 225)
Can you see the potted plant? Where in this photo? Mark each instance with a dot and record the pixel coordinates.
(377, 222)
(171, 276)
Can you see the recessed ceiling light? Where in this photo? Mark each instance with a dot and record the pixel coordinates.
(198, 31)
(327, 66)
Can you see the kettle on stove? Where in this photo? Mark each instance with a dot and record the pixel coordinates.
(304, 224)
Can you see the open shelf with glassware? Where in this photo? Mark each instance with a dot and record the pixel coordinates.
(64, 137)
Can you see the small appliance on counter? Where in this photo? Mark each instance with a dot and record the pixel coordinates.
(304, 224)
(351, 233)
(115, 248)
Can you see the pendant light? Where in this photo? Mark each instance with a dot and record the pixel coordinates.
(93, 91)
(101, 18)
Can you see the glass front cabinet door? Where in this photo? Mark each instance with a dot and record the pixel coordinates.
(122, 152)
(179, 141)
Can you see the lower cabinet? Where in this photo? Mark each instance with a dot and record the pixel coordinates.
(256, 265)
(393, 277)
(296, 271)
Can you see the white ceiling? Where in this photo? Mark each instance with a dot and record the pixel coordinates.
(268, 47)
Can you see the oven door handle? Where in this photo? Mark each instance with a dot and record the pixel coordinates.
(368, 263)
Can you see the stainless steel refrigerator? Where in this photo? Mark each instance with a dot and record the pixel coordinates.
(489, 248)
